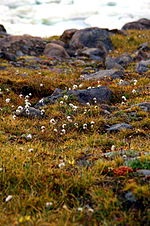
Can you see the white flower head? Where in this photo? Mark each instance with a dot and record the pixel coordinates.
(61, 165)
(7, 100)
(133, 91)
(124, 98)
(62, 132)
(65, 97)
(84, 126)
(74, 87)
(69, 118)
(29, 136)
(53, 121)
(8, 198)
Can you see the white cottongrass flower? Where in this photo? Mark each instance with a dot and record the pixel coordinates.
(64, 125)
(30, 150)
(124, 98)
(74, 87)
(27, 97)
(29, 136)
(42, 127)
(41, 101)
(48, 204)
(14, 117)
(8, 198)
(7, 100)
(113, 147)
(55, 130)
(41, 85)
(61, 165)
(89, 87)
(69, 118)
(62, 132)
(65, 97)
(90, 210)
(84, 126)
(61, 102)
(76, 125)
(80, 209)
(133, 91)
(88, 104)
(42, 112)
(134, 82)
(21, 95)
(53, 121)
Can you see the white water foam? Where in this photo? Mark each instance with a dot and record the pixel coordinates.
(52, 17)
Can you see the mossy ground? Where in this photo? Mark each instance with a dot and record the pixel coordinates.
(60, 176)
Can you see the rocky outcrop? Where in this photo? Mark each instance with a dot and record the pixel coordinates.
(119, 127)
(142, 24)
(102, 95)
(55, 50)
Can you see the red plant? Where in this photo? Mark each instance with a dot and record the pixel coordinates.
(122, 170)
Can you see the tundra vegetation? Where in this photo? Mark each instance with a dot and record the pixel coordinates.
(65, 168)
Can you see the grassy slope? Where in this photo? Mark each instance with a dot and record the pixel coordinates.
(30, 170)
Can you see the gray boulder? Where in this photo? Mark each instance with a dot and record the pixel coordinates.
(102, 95)
(102, 74)
(143, 66)
(119, 127)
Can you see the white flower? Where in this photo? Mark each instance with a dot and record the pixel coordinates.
(89, 87)
(29, 136)
(42, 112)
(42, 127)
(53, 121)
(14, 117)
(8, 198)
(64, 125)
(133, 91)
(135, 82)
(20, 108)
(90, 210)
(20, 95)
(88, 104)
(61, 102)
(7, 100)
(74, 87)
(124, 98)
(80, 209)
(27, 97)
(65, 97)
(92, 122)
(48, 204)
(69, 118)
(41, 85)
(41, 101)
(76, 125)
(113, 147)
(84, 126)
(61, 165)
(30, 150)
(62, 132)
(55, 130)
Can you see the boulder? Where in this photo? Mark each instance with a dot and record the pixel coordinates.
(93, 53)
(30, 112)
(102, 94)
(2, 29)
(102, 74)
(145, 106)
(119, 127)
(141, 24)
(143, 52)
(55, 50)
(22, 45)
(143, 66)
(92, 37)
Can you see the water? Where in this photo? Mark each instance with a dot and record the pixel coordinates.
(52, 17)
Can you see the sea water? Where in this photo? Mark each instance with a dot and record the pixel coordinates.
(52, 17)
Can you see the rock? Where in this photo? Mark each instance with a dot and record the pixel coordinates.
(93, 53)
(145, 106)
(129, 196)
(143, 66)
(2, 29)
(110, 63)
(143, 52)
(120, 62)
(141, 24)
(22, 45)
(92, 37)
(119, 127)
(102, 95)
(8, 56)
(102, 74)
(67, 35)
(143, 172)
(30, 112)
(55, 50)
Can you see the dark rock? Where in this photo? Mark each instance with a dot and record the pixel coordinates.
(8, 56)
(26, 45)
(102, 95)
(55, 50)
(93, 53)
(144, 172)
(141, 24)
(119, 127)
(67, 35)
(2, 29)
(92, 38)
(102, 74)
(30, 112)
(145, 106)
(143, 66)
(119, 62)
(110, 63)
(143, 52)
(129, 196)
